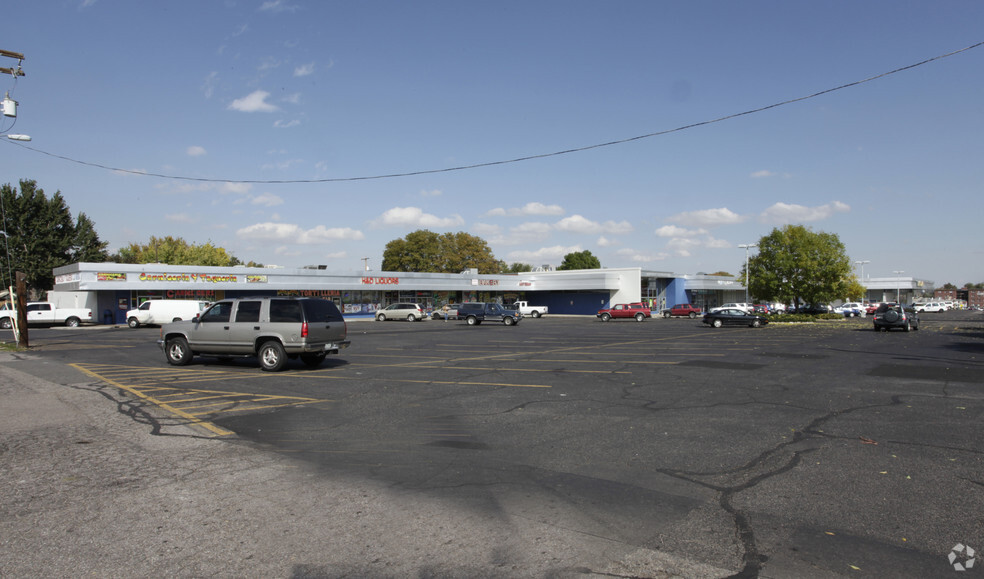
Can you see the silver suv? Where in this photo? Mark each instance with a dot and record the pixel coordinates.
(408, 312)
(271, 328)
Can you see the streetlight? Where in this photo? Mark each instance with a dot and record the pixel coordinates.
(861, 262)
(898, 285)
(746, 247)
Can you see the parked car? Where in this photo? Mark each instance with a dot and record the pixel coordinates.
(439, 314)
(45, 314)
(272, 329)
(734, 306)
(637, 311)
(682, 310)
(402, 311)
(890, 315)
(813, 309)
(930, 307)
(163, 311)
(477, 312)
(871, 308)
(733, 317)
(849, 310)
(761, 309)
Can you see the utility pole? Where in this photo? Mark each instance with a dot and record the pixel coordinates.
(20, 329)
(746, 246)
(12, 71)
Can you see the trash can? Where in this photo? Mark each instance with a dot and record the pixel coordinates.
(107, 317)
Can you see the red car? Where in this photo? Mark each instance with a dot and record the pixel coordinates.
(638, 311)
(682, 310)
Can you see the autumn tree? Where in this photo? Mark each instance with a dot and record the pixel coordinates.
(41, 235)
(796, 263)
(518, 267)
(580, 260)
(175, 251)
(426, 251)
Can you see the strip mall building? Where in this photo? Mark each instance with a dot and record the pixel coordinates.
(110, 289)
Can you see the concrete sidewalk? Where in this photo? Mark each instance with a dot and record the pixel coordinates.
(93, 484)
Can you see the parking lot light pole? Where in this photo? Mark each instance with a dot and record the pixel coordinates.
(898, 285)
(746, 246)
(861, 262)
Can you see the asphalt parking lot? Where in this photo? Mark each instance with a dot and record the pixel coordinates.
(791, 450)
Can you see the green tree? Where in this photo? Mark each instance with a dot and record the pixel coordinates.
(518, 268)
(175, 251)
(86, 247)
(41, 235)
(948, 286)
(580, 260)
(424, 250)
(795, 263)
(721, 274)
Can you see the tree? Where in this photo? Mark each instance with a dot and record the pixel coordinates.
(518, 268)
(41, 235)
(580, 260)
(795, 263)
(721, 274)
(175, 251)
(948, 286)
(424, 250)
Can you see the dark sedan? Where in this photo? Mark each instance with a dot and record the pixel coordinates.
(734, 317)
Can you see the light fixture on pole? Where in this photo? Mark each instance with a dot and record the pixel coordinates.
(861, 262)
(746, 247)
(898, 285)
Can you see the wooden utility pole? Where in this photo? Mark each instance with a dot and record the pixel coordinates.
(22, 341)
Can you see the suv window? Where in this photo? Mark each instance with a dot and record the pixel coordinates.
(219, 313)
(285, 311)
(248, 311)
(319, 311)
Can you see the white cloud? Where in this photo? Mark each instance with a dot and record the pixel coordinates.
(179, 218)
(196, 151)
(791, 213)
(526, 233)
(293, 99)
(282, 124)
(683, 246)
(267, 200)
(581, 224)
(639, 257)
(762, 174)
(486, 229)
(292, 233)
(208, 87)
(415, 217)
(254, 102)
(533, 208)
(304, 70)
(674, 231)
(277, 6)
(543, 255)
(605, 242)
(431, 193)
(708, 217)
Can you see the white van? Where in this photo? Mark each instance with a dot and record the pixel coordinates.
(159, 312)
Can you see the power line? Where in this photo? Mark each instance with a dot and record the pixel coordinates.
(517, 159)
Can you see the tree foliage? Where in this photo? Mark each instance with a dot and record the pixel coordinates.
(795, 263)
(41, 235)
(175, 251)
(580, 260)
(948, 286)
(426, 251)
(518, 267)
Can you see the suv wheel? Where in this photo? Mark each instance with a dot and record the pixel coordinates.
(272, 356)
(381, 318)
(411, 318)
(177, 351)
(472, 320)
(605, 317)
(640, 317)
(507, 321)
(133, 323)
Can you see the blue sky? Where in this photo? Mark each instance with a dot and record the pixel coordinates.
(225, 92)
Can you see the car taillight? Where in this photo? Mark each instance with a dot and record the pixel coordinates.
(304, 329)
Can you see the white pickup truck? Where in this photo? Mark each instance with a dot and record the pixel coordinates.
(527, 310)
(45, 314)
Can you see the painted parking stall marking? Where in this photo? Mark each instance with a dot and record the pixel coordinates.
(196, 405)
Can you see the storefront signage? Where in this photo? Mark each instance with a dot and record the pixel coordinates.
(256, 279)
(188, 278)
(488, 282)
(207, 295)
(106, 276)
(380, 281)
(310, 293)
(68, 278)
